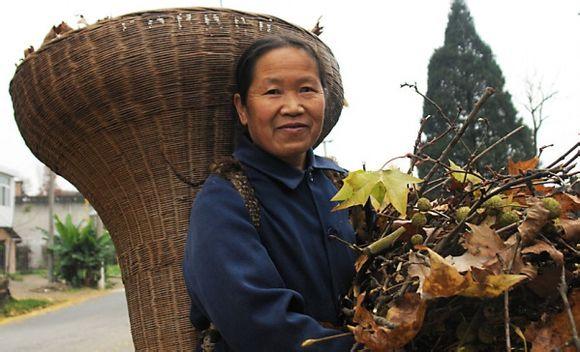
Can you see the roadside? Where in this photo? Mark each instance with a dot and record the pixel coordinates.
(98, 324)
(59, 295)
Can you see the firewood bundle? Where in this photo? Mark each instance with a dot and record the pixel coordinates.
(468, 261)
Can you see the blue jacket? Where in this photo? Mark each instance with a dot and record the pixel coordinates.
(269, 290)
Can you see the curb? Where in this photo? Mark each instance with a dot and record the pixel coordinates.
(59, 305)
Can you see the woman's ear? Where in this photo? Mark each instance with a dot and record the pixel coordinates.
(241, 109)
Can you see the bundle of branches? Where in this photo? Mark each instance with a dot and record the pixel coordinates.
(466, 262)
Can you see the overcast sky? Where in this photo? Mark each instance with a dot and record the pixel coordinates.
(379, 45)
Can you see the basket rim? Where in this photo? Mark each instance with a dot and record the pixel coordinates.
(101, 23)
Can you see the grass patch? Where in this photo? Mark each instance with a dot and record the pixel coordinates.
(15, 277)
(113, 270)
(39, 272)
(16, 307)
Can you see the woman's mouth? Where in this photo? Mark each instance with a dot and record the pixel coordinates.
(294, 126)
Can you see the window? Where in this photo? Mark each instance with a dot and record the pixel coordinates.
(2, 257)
(4, 190)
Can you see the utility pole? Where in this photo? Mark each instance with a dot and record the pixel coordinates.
(51, 180)
(324, 143)
(99, 229)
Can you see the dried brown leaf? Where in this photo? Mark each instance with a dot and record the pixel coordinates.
(483, 248)
(442, 208)
(571, 230)
(466, 261)
(443, 279)
(568, 202)
(515, 168)
(482, 241)
(418, 269)
(554, 333)
(490, 286)
(407, 314)
(360, 261)
(546, 283)
(540, 246)
(536, 218)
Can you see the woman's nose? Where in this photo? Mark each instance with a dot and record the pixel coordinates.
(292, 105)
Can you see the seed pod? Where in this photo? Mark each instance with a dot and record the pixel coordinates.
(493, 205)
(506, 218)
(419, 220)
(423, 204)
(553, 206)
(461, 213)
(416, 239)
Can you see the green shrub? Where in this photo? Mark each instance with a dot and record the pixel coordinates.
(113, 270)
(79, 252)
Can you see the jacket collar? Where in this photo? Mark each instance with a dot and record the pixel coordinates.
(250, 154)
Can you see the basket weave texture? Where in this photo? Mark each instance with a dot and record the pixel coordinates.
(132, 110)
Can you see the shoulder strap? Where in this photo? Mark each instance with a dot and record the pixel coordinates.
(232, 170)
(336, 177)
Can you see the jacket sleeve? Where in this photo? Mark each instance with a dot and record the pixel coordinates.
(230, 274)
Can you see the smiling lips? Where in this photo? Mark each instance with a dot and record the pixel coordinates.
(293, 126)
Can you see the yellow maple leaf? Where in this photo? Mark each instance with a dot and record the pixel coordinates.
(442, 279)
(382, 187)
(462, 176)
(491, 286)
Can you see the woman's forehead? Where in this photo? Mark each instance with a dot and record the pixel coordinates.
(278, 63)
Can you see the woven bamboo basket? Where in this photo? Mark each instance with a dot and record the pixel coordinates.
(132, 110)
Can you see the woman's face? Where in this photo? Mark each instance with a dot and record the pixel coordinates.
(284, 111)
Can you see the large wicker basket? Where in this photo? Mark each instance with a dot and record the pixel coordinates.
(132, 110)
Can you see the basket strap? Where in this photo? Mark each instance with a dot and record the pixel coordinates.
(232, 170)
(336, 177)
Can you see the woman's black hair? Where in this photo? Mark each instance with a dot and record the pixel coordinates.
(247, 62)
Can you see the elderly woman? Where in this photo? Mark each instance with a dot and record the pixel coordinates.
(269, 288)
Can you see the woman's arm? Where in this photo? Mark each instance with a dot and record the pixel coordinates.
(231, 275)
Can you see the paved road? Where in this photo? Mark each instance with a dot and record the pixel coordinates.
(96, 325)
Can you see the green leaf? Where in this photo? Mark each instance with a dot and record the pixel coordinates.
(396, 187)
(460, 175)
(382, 187)
(356, 189)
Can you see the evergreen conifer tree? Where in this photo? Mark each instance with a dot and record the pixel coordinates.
(459, 71)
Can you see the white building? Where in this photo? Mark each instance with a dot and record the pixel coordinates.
(31, 218)
(8, 237)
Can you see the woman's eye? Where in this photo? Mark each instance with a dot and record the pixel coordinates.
(273, 91)
(306, 89)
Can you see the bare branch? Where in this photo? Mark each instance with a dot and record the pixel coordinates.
(563, 288)
(502, 139)
(418, 141)
(437, 107)
(535, 106)
(563, 156)
(470, 119)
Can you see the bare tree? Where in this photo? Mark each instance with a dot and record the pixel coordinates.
(536, 98)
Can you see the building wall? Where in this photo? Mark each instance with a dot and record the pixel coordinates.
(31, 216)
(10, 254)
(6, 210)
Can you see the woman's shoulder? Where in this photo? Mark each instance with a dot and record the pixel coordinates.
(215, 189)
(326, 163)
